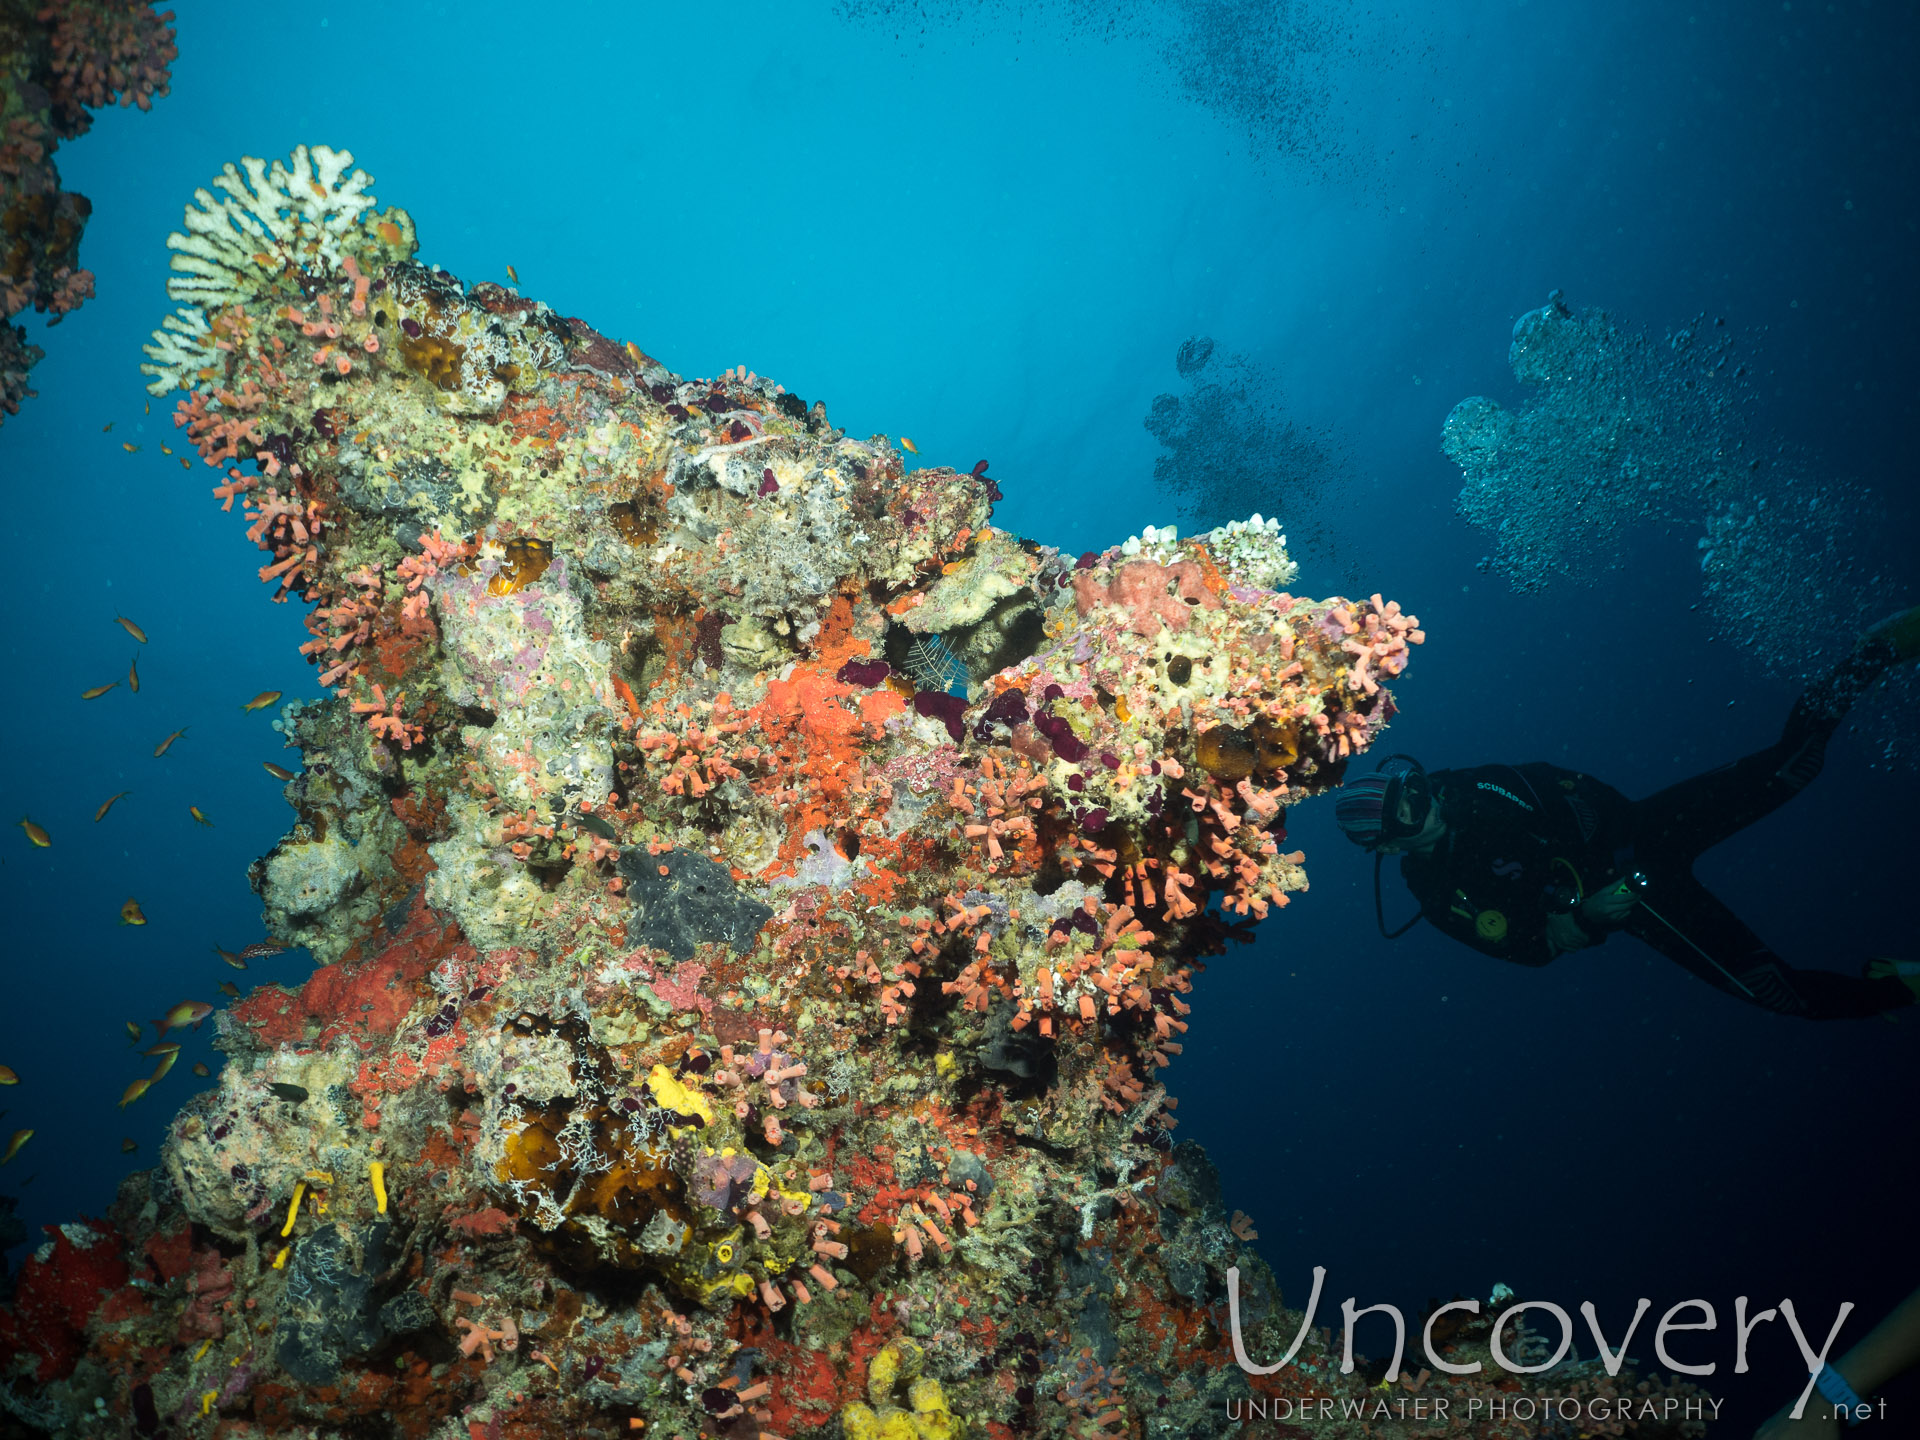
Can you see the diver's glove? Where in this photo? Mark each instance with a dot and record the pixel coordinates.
(1611, 906)
(1905, 971)
(1901, 631)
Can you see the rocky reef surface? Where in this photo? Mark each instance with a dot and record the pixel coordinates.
(58, 63)
(755, 901)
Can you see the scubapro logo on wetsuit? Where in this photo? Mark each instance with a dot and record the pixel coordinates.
(1504, 794)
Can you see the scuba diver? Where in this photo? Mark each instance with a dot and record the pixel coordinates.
(1526, 862)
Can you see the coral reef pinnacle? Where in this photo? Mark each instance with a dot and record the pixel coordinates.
(711, 1028)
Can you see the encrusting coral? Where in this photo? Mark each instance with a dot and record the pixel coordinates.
(715, 1027)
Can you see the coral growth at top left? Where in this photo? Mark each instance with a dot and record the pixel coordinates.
(58, 63)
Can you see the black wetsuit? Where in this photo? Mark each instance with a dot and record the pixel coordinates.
(1524, 841)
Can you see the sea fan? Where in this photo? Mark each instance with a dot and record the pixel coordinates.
(932, 665)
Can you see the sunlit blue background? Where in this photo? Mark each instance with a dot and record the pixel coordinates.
(991, 234)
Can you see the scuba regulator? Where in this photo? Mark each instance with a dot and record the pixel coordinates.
(1408, 782)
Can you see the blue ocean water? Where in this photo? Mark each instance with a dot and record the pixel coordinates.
(991, 229)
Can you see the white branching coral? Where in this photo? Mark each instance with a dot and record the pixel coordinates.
(268, 227)
(275, 218)
(183, 347)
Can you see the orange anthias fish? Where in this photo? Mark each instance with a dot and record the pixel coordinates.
(131, 628)
(228, 989)
(279, 772)
(165, 744)
(20, 1137)
(165, 1047)
(128, 1146)
(134, 1091)
(107, 805)
(200, 1068)
(97, 691)
(236, 961)
(7, 1077)
(910, 445)
(513, 275)
(133, 674)
(186, 1012)
(35, 833)
(133, 1033)
(262, 700)
(166, 1063)
(130, 913)
(194, 810)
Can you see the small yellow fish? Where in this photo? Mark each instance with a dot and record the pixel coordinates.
(279, 772)
(127, 1147)
(166, 449)
(106, 427)
(97, 691)
(165, 1047)
(166, 1064)
(513, 275)
(186, 1012)
(133, 1033)
(128, 446)
(20, 1137)
(910, 445)
(164, 745)
(134, 1091)
(107, 805)
(130, 913)
(7, 1077)
(194, 810)
(633, 354)
(200, 1069)
(238, 962)
(131, 628)
(35, 833)
(133, 674)
(185, 464)
(229, 989)
(262, 700)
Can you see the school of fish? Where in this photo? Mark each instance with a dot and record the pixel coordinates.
(188, 1013)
